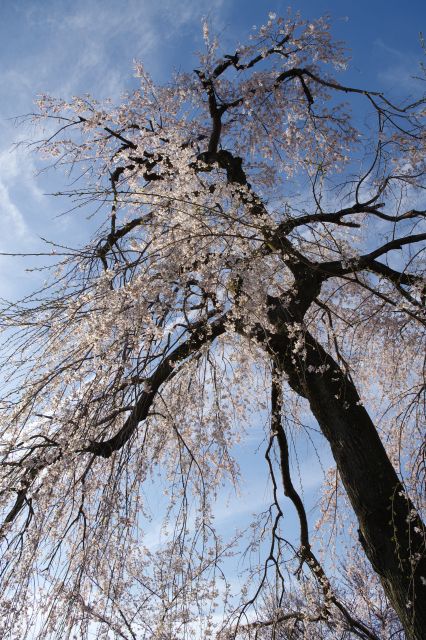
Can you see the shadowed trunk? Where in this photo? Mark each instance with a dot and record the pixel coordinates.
(390, 531)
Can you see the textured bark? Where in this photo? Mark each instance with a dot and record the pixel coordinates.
(391, 532)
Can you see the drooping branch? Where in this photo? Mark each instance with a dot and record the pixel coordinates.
(306, 554)
(200, 335)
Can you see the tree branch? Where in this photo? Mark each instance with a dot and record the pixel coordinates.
(201, 335)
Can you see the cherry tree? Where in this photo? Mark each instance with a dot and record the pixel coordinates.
(259, 254)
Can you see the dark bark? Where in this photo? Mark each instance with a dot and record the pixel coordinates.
(391, 532)
(201, 334)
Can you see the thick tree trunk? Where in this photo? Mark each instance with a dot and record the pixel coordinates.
(390, 530)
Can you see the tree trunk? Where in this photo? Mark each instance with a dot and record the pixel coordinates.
(390, 530)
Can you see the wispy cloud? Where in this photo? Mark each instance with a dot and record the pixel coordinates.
(401, 69)
(91, 44)
(16, 173)
(69, 49)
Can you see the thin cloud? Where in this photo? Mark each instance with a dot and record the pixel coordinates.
(401, 69)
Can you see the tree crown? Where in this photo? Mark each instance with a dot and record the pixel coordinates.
(257, 242)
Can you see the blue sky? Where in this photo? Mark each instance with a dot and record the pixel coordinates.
(73, 47)
(68, 48)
